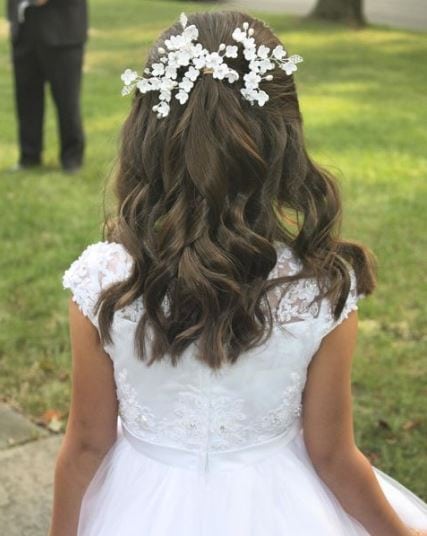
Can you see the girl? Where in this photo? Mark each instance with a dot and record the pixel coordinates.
(213, 331)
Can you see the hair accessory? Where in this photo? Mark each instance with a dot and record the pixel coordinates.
(183, 50)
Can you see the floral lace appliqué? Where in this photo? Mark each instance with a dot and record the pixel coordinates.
(293, 302)
(100, 265)
(197, 420)
(104, 263)
(289, 409)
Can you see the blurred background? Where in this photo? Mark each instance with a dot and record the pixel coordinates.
(362, 90)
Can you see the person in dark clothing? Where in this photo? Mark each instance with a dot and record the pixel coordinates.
(48, 39)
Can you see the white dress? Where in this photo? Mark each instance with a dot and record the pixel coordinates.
(203, 453)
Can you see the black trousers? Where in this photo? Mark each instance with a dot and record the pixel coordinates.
(36, 64)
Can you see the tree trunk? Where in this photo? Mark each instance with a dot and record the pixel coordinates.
(350, 11)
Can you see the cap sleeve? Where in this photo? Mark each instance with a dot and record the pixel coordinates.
(98, 266)
(328, 322)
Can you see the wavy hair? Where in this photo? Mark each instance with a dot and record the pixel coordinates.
(202, 196)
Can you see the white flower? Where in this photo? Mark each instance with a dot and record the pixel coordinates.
(279, 52)
(143, 85)
(199, 62)
(183, 20)
(213, 60)
(186, 85)
(262, 98)
(238, 35)
(252, 95)
(192, 74)
(182, 96)
(254, 65)
(231, 51)
(165, 95)
(173, 59)
(265, 65)
(248, 94)
(245, 25)
(250, 53)
(191, 33)
(155, 84)
(249, 42)
(167, 84)
(232, 76)
(252, 80)
(158, 69)
(197, 50)
(129, 76)
(220, 72)
(175, 42)
(263, 52)
(295, 58)
(184, 57)
(261, 66)
(289, 67)
(171, 72)
(162, 109)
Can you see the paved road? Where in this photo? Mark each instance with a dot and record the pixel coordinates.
(409, 14)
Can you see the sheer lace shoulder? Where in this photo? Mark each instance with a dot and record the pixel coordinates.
(300, 300)
(328, 321)
(295, 301)
(104, 263)
(99, 265)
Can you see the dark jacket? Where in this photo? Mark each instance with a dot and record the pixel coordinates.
(59, 22)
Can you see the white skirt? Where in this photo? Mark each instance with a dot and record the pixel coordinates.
(141, 489)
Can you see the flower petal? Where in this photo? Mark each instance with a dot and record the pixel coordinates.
(183, 19)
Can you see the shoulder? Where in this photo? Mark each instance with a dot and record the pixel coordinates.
(98, 266)
(287, 262)
(300, 300)
(103, 249)
(100, 262)
(327, 320)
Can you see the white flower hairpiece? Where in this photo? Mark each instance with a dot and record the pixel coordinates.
(183, 50)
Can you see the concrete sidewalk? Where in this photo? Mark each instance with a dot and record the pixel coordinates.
(27, 458)
(411, 14)
(26, 487)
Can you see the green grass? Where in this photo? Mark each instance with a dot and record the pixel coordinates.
(363, 97)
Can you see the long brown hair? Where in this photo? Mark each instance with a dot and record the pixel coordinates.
(203, 194)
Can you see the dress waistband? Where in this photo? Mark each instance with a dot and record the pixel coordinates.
(211, 460)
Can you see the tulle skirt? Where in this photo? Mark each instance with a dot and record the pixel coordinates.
(142, 489)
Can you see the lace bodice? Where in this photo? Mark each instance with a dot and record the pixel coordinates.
(191, 406)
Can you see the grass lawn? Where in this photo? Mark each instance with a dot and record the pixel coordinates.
(363, 98)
